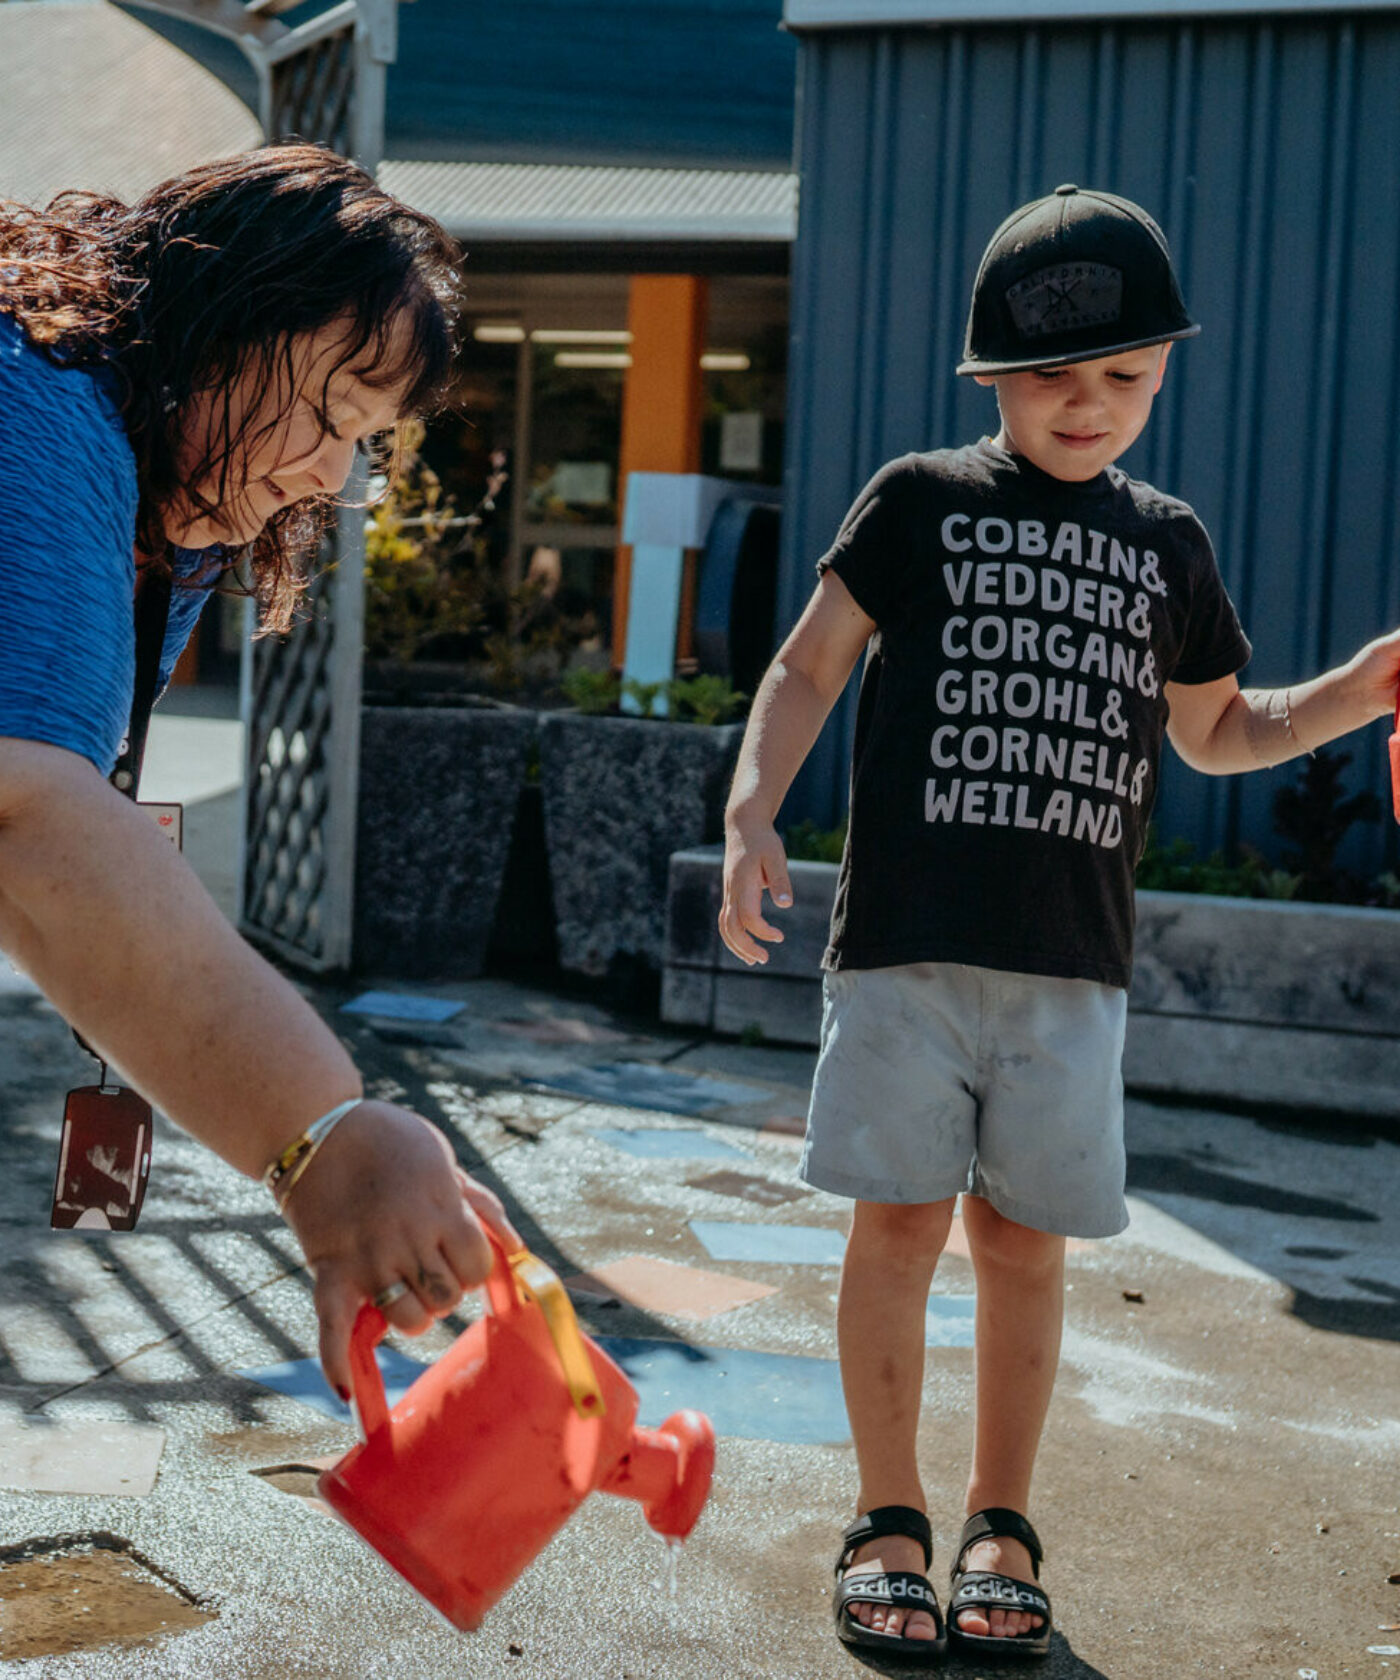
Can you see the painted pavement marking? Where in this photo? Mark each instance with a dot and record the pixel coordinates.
(661, 1286)
(783, 1245)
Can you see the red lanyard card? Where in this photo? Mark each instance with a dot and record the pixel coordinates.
(104, 1159)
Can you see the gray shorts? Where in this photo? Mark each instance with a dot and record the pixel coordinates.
(938, 1077)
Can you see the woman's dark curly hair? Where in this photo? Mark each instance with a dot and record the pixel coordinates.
(209, 276)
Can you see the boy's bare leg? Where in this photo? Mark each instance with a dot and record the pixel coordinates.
(1020, 1314)
(890, 1260)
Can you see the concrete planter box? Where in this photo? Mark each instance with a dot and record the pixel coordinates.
(439, 786)
(1242, 1000)
(620, 796)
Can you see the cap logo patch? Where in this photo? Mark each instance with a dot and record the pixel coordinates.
(1065, 296)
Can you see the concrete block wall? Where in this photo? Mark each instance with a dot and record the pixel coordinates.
(1239, 1000)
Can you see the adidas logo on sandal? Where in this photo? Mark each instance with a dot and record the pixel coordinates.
(1006, 1591)
(884, 1587)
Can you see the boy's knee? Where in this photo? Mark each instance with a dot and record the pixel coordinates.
(908, 1233)
(995, 1240)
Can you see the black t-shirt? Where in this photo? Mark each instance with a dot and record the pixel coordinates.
(1011, 714)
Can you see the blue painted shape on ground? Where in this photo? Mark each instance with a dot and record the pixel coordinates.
(302, 1380)
(758, 1396)
(640, 1085)
(948, 1320)
(402, 1006)
(784, 1245)
(680, 1145)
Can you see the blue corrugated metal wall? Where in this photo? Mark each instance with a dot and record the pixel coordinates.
(693, 82)
(1270, 152)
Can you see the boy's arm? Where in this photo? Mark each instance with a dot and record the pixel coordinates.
(1221, 729)
(801, 686)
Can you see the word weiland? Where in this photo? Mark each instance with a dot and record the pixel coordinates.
(1075, 817)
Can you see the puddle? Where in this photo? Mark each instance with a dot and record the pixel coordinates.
(765, 1191)
(79, 1591)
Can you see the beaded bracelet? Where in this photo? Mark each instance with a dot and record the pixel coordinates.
(282, 1172)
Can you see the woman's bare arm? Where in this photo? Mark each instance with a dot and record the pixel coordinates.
(111, 923)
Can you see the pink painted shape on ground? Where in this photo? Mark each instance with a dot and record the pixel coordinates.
(661, 1286)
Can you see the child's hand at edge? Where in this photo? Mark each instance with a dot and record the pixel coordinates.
(753, 859)
(1375, 673)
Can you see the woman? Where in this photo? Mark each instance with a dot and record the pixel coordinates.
(183, 385)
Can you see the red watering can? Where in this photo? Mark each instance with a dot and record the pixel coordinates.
(495, 1446)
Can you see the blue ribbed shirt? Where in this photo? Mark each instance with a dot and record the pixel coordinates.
(68, 500)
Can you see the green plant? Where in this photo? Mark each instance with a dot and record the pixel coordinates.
(1313, 817)
(643, 695)
(422, 572)
(436, 588)
(807, 843)
(1176, 868)
(706, 699)
(592, 692)
(1386, 889)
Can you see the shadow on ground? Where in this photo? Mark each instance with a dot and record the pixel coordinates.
(1315, 1205)
(1061, 1664)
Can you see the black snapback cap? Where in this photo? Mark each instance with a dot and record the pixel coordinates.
(1075, 275)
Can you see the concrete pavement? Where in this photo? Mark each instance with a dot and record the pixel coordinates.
(1217, 1491)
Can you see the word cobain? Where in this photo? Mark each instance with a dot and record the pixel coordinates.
(1116, 605)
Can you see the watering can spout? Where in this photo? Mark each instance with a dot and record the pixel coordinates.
(668, 1472)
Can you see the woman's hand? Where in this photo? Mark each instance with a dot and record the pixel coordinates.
(383, 1200)
(753, 859)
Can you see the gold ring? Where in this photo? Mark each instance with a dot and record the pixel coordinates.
(394, 1292)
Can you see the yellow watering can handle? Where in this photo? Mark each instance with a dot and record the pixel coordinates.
(536, 1282)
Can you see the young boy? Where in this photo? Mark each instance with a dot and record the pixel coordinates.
(1033, 622)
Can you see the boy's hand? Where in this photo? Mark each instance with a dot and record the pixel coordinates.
(753, 859)
(1376, 674)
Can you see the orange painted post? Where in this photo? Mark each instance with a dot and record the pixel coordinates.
(661, 399)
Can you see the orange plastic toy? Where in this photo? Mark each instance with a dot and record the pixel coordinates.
(495, 1446)
(1395, 762)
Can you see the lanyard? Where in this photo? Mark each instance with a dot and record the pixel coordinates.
(152, 615)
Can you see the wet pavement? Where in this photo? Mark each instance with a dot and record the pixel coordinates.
(1217, 1491)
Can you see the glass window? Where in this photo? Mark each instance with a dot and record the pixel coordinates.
(576, 435)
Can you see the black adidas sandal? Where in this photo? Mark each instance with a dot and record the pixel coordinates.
(981, 1589)
(893, 1589)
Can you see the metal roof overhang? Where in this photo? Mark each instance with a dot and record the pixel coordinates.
(540, 215)
(879, 14)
